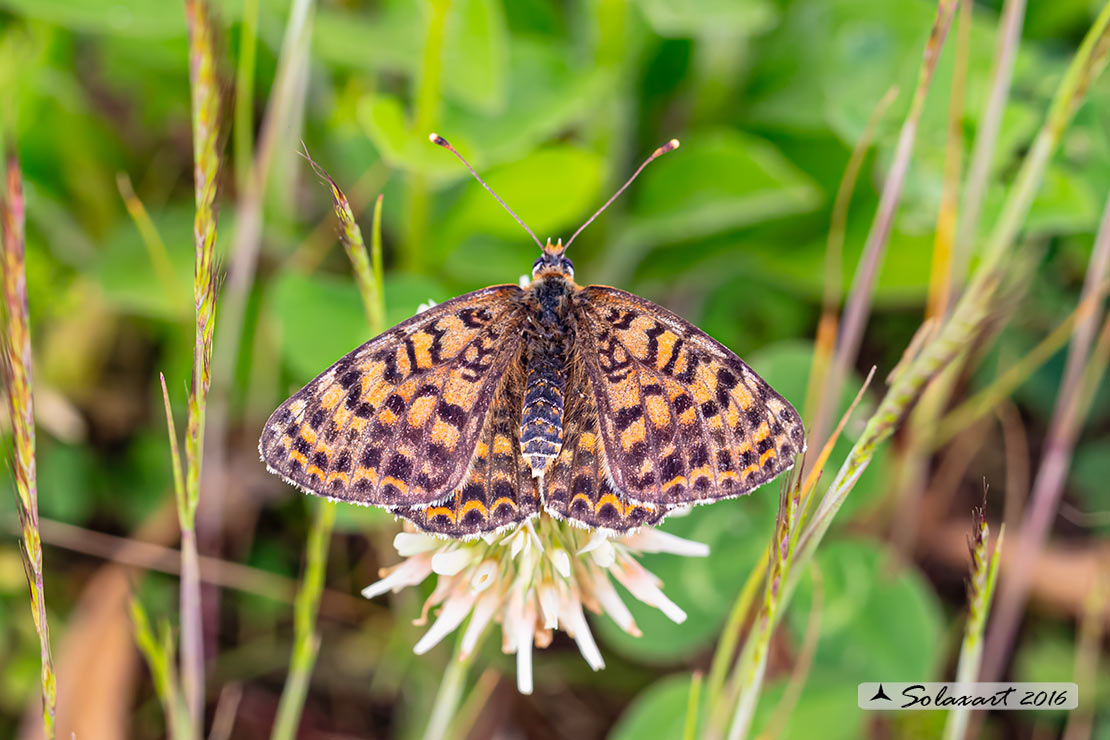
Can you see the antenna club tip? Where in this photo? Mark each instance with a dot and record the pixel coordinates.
(670, 146)
(437, 139)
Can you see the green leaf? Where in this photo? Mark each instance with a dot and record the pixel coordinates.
(322, 318)
(476, 51)
(545, 95)
(131, 283)
(826, 709)
(384, 119)
(878, 621)
(657, 712)
(387, 41)
(718, 180)
(354, 518)
(712, 17)
(475, 48)
(128, 17)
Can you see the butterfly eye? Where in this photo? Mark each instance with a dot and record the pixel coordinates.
(536, 265)
(568, 266)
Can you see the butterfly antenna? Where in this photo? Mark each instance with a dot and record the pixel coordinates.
(670, 146)
(440, 141)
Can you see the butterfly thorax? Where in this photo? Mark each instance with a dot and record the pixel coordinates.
(548, 334)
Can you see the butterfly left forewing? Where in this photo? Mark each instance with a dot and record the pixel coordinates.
(682, 418)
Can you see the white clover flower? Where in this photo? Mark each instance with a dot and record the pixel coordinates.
(533, 579)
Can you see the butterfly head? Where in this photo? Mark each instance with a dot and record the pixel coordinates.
(553, 261)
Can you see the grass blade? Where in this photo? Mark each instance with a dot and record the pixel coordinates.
(204, 86)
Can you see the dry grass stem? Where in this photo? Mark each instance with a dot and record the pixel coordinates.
(986, 136)
(858, 306)
(1048, 485)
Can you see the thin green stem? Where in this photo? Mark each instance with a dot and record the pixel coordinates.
(429, 84)
(730, 634)
(152, 240)
(158, 653)
(986, 400)
(969, 317)
(175, 455)
(368, 276)
(693, 707)
(986, 135)
(450, 690)
(306, 640)
(376, 311)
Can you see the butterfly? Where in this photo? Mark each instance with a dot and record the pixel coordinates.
(588, 403)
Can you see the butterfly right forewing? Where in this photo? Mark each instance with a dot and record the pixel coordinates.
(396, 421)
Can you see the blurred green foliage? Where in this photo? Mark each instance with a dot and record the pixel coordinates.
(554, 103)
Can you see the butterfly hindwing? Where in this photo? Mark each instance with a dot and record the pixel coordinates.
(681, 418)
(396, 421)
(577, 486)
(499, 489)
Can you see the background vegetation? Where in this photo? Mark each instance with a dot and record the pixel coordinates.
(739, 231)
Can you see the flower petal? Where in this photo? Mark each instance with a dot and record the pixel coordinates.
(408, 544)
(641, 583)
(524, 638)
(480, 617)
(613, 605)
(451, 562)
(561, 560)
(549, 605)
(408, 573)
(450, 617)
(484, 575)
(654, 540)
(576, 626)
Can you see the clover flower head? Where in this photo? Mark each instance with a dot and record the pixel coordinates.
(533, 579)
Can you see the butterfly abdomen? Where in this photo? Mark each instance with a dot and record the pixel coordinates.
(541, 419)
